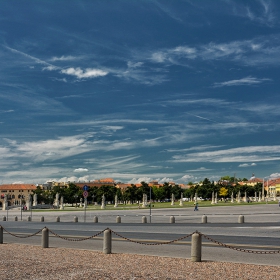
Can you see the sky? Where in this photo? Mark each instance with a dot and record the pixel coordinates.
(139, 90)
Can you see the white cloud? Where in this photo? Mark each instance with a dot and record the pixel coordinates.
(139, 180)
(81, 170)
(241, 82)
(247, 164)
(83, 74)
(187, 178)
(63, 58)
(164, 180)
(243, 154)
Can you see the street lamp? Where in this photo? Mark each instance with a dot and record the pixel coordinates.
(150, 204)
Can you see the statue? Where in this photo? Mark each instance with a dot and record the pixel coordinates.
(61, 203)
(56, 202)
(145, 200)
(116, 201)
(181, 200)
(35, 200)
(29, 202)
(5, 203)
(213, 198)
(103, 202)
(172, 199)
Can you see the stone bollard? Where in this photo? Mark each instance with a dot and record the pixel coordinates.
(58, 219)
(241, 219)
(45, 238)
(29, 219)
(172, 220)
(118, 219)
(196, 248)
(144, 220)
(204, 219)
(16, 218)
(75, 219)
(4, 218)
(42, 219)
(95, 219)
(1, 235)
(107, 242)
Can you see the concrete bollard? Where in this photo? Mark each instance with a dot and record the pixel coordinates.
(4, 218)
(28, 219)
(204, 219)
(45, 238)
(196, 248)
(107, 242)
(144, 220)
(58, 219)
(172, 220)
(16, 218)
(241, 219)
(95, 219)
(118, 219)
(75, 219)
(42, 219)
(1, 235)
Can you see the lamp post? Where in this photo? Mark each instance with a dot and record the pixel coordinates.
(150, 204)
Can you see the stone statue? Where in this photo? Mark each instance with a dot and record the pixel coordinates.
(172, 199)
(103, 202)
(56, 202)
(35, 200)
(213, 198)
(116, 201)
(5, 203)
(181, 200)
(29, 202)
(61, 203)
(145, 201)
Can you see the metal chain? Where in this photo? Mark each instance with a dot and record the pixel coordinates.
(239, 249)
(26, 236)
(157, 243)
(76, 239)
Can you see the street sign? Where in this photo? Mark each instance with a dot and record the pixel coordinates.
(85, 194)
(85, 188)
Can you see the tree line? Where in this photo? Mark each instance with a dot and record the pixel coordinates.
(72, 194)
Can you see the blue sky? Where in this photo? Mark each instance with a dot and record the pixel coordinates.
(139, 90)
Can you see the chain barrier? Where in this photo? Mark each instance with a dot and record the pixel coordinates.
(148, 243)
(26, 236)
(238, 249)
(76, 239)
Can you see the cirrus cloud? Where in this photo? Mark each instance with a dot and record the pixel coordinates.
(83, 74)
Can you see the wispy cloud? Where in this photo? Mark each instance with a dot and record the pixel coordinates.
(265, 15)
(84, 74)
(64, 58)
(81, 170)
(256, 51)
(242, 82)
(243, 154)
(247, 164)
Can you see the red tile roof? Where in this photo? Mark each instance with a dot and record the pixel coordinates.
(18, 187)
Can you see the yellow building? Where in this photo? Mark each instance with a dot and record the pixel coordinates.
(15, 192)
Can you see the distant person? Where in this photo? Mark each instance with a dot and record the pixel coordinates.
(195, 206)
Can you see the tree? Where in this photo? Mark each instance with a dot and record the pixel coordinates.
(223, 192)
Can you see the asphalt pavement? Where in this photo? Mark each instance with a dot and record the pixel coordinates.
(258, 236)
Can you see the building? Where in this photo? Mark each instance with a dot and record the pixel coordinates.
(16, 192)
